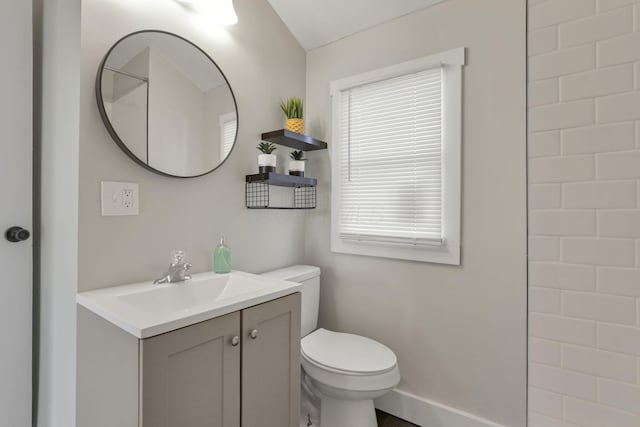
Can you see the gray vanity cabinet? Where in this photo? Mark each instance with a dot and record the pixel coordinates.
(271, 364)
(191, 376)
(237, 370)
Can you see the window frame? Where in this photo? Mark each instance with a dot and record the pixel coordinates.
(451, 62)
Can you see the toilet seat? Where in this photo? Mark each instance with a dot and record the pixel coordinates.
(348, 362)
(347, 354)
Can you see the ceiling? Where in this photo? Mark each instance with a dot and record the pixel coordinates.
(315, 23)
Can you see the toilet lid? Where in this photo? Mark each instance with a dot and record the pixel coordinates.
(348, 353)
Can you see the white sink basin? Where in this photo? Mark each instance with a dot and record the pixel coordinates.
(145, 309)
(189, 295)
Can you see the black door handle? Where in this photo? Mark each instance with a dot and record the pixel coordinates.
(17, 234)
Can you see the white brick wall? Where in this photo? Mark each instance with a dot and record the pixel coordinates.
(584, 213)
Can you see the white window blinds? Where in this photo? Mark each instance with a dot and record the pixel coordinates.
(390, 148)
(228, 135)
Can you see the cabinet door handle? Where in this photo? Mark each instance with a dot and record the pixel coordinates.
(253, 334)
(235, 341)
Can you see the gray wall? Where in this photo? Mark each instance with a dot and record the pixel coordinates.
(263, 63)
(459, 332)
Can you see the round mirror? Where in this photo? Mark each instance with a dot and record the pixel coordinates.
(167, 104)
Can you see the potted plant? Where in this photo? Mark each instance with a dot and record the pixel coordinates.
(267, 160)
(293, 110)
(296, 164)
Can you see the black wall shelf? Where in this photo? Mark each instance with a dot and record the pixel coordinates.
(282, 180)
(258, 191)
(294, 140)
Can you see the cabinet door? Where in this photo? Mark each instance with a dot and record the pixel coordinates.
(191, 376)
(271, 364)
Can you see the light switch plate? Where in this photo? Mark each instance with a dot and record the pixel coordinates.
(119, 198)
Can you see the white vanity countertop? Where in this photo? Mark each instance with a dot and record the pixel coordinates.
(145, 309)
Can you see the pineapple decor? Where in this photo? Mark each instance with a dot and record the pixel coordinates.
(293, 110)
(267, 160)
(296, 164)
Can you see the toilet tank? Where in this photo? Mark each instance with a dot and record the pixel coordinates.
(309, 277)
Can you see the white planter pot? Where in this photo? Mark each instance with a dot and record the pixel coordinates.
(296, 167)
(267, 162)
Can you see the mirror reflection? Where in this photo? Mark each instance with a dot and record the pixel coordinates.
(167, 104)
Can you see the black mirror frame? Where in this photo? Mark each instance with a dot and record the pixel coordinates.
(114, 134)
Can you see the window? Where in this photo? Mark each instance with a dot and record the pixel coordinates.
(396, 161)
(228, 128)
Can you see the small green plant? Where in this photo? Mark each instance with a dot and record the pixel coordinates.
(266, 147)
(297, 155)
(292, 108)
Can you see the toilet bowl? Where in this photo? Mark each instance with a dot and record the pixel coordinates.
(347, 372)
(343, 372)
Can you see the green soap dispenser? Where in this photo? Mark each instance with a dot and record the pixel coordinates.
(222, 258)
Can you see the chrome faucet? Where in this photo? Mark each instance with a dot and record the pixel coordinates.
(177, 271)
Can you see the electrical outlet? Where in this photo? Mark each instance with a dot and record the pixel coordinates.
(127, 198)
(119, 198)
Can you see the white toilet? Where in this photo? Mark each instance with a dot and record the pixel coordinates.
(341, 372)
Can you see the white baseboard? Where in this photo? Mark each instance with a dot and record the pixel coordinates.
(427, 413)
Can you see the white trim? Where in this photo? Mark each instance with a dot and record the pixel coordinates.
(453, 57)
(386, 240)
(425, 412)
(227, 117)
(449, 252)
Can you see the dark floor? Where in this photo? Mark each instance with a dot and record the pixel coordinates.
(386, 420)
